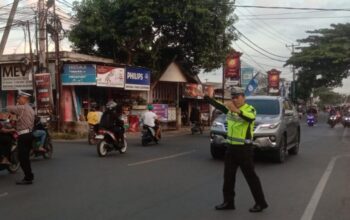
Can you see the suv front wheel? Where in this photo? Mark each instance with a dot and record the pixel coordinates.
(280, 153)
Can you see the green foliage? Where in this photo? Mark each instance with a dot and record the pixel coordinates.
(194, 33)
(328, 97)
(325, 61)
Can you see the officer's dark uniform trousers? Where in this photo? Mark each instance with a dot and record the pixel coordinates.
(241, 156)
(24, 147)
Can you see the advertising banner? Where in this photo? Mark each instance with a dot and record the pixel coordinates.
(161, 111)
(208, 90)
(79, 74)
(274, 78)
(109, 76)
(44, 101)
(17, 76)
(193, 91)
(233, 65)
(137, 78)
(246, 75)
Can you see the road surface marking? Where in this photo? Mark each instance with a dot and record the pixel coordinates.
(311, 207)
(3, 194)
(161, 158)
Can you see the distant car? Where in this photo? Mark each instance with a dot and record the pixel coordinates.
(276, 129)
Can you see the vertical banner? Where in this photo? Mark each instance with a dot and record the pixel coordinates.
(273, 81)
(233, 66)
(44, 100)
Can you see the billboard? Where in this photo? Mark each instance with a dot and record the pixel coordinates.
(193, 90)
(246, 75)
(17, 76)
(273, 80)
(137, 78)
(79, 74)
(109, 76)
(44, 100)
(161, 111)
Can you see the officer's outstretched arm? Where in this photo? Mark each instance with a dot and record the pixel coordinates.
(248, 114)
(218, 105)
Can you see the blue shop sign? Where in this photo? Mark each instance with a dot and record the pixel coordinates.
(137, 78)
(79, 74)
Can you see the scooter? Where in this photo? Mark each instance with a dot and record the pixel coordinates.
(13, 157)
(310, 120)
(332, 120)
(47, 154)
(148, 135)
(346, 121)
(109, 142)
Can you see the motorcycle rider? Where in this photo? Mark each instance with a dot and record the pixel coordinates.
(111, 120)
(39, 132)
(150, 119)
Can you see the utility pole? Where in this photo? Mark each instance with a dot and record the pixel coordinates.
(293, 84)
(31, 64)
(57, 68)
(8, 27)
(42, 35)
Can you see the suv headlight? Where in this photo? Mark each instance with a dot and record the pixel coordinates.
(218, 125)
(270, 125)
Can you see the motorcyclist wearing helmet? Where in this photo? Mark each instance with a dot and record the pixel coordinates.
(111, 120)
(150, 119)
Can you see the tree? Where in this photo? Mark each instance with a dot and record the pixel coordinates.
(328, 97)
(324, 61)
(194, 33)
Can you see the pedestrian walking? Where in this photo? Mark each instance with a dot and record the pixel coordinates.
(240, 126)
(25, 122)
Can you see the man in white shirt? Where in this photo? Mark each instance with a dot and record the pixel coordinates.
(151, 119)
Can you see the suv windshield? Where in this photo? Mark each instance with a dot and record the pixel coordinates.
(265, 107)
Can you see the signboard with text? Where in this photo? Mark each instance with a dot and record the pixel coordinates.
(161, 111)
(44, 100)
(137, 78)
(79, 74)
(109, 76)
(17, 76)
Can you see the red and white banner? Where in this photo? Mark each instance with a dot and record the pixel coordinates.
(44, 100)
(110, 76)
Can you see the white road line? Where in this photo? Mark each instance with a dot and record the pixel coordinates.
(311, 207)
(161, 158)
(3, 194)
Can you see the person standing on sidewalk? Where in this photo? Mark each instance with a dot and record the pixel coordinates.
(240, 119)
(24, 126)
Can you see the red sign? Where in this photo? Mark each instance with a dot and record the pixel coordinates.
(233, 65)
(44, 100)
(274, 78)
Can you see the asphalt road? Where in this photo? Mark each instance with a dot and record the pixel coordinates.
(178, 179)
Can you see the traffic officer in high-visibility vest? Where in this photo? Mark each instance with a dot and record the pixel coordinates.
(240, 119)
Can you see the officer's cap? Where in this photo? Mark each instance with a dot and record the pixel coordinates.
(237, 91)
(24, 94)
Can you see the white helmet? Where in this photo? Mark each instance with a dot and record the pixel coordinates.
(111, 104)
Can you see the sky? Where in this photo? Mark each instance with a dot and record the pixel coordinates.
(270, 29)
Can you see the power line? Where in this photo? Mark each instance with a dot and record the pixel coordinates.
(244, 53)
(288, 13)
(259, 46)
(283, 61)
(294, 18)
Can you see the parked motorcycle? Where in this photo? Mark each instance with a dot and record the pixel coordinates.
(92, 134)
(196, 128)
(47, 154)
(13, 157)
(109, 142)
(310, 120)
(148, 135)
